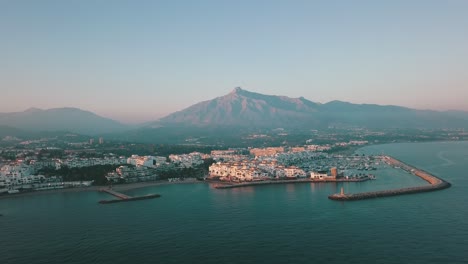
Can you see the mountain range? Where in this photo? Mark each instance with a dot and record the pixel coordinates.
(61, 119)
(240, 109)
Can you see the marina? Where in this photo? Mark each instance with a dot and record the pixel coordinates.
(435, 184)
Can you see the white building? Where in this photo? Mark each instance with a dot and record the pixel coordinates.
(132, 174)
(147, 161)
(87, 162)
(294, 172)
(16, 170)
(321, 175)
(187, 160)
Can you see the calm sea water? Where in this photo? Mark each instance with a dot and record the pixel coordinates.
(295, 223)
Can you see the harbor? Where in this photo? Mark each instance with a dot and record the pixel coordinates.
(435, 184)
(125, 198)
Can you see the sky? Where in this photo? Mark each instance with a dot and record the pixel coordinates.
(136, 61)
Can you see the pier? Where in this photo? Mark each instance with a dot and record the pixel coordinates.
(125, 198)
(435, 184)
(116, 194)
(229, 185)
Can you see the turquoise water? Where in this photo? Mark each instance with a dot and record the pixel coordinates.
(295, 223)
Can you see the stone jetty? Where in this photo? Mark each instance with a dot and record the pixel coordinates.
(229, 185)
(435, 184)
(125, 198)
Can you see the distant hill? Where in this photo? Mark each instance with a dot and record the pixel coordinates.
(61, 119)
(227, 116)
(9, 131)
(241, 108)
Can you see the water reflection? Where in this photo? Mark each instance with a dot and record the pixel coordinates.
(290, 188)
(243, 190)
(324, 186)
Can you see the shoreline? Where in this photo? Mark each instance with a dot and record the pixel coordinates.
(435, 184)
(119, 187)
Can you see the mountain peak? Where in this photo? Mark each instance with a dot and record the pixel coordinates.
(236, 90)
(244, 108)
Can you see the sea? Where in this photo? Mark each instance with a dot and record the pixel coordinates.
(288, 223)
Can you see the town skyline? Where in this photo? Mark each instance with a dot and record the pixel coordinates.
(139, 62)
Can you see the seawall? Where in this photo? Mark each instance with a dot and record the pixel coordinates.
(256, 183)
(435, 184)
(221, 185)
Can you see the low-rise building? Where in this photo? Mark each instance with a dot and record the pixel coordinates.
(270, 151)
(132, 174)
(187, 160)
(147, 161)
(322, 175)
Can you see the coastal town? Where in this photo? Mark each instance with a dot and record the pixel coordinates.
(39, 165)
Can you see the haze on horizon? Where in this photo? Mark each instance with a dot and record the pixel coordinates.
(138, 61)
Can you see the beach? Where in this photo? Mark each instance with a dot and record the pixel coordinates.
(118, 187)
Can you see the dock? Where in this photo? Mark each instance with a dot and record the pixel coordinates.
(435, 184)
(116, 194)
(125, 198)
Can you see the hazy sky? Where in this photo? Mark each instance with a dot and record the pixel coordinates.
(139, 60)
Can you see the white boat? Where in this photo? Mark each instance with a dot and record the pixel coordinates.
(12, 191)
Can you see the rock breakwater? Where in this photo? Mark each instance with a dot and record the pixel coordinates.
(435, 184)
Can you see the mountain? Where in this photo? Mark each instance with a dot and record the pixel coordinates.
(244, 108)
(241, 108)
(61, 119)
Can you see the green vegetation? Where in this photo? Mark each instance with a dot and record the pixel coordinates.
(175, 172)
(50, 153)
(180, 173)
(8, 155)
(95, 173)
(128, 149)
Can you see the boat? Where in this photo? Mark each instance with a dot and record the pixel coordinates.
(13, 191)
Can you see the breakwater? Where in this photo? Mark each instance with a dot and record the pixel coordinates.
(223, 185)
(255, 183)
(125, 198)
(435, 184)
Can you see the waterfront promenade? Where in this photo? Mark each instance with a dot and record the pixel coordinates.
(117, 187)
(230, 185)
(435, 184)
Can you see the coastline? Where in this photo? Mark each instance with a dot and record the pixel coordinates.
(119, 187)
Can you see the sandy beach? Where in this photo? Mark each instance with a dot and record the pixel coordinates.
(118, 187)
